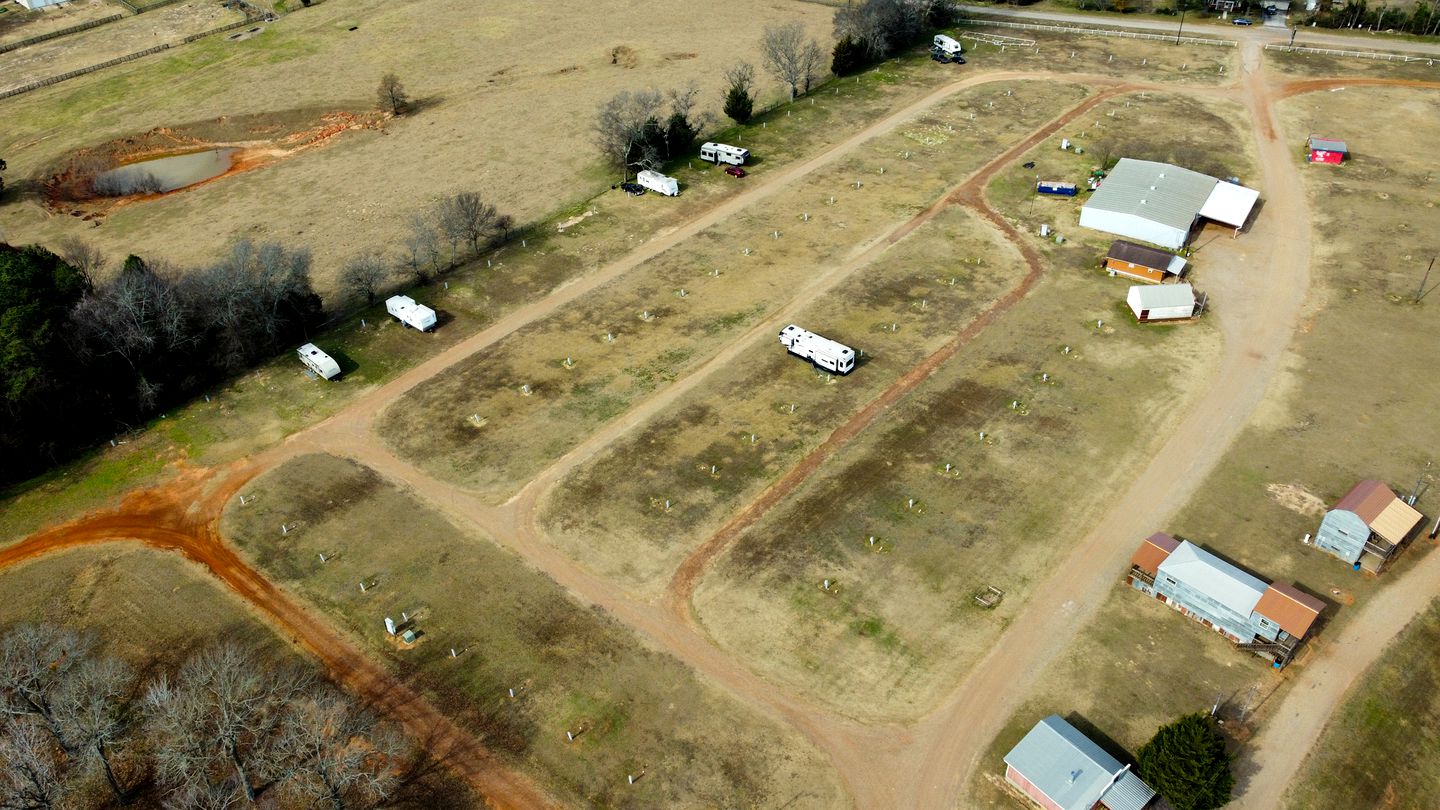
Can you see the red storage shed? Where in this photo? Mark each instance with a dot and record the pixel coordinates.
(1325, 150)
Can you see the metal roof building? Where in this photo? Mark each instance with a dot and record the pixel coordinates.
(1369, 509)
(1159, 203)
(1161, 302)
(34, 4)
(1062, 769)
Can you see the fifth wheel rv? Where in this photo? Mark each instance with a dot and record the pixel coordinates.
(822, 352)
(724, 153)
(413, 315)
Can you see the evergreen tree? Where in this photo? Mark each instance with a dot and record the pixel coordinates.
(847, 58)
(739, 104)
(1186, 762)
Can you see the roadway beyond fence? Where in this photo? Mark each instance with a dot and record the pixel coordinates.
(1389, 57)
(1099, 32)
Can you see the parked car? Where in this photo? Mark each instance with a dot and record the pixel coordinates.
(1242, 21)
(734, 171)
(633, 189)
(945, 57)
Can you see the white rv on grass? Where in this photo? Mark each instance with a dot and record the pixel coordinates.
(948, 45)
(318, 361)
(658, 183)
(724, 153)
(413, 315)
(822, 352)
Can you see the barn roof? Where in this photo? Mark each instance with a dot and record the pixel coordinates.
(1381, 509)
(1153, 551)
(1288, 607)
(1222, 581)
(1158, 192)
(1162, 296)
(1327, 145)
(1155, 258)
(1073, 771)
(1229, 203)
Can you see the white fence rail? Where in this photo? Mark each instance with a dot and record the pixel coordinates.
(997, 39)
(1098, 32)
(1389, 57)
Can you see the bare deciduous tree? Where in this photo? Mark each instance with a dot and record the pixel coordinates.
(422, 248)
(364, 275)
(344, 758)
(789, 57)
(31, 776)
(82, 256)
(621, 123)
(466, 217)
(93, 707)
(392, 94)
(34, 661)
(138, 313)
(250, 298)
(217, 726)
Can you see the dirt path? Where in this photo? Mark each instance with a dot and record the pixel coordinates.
(183, 517)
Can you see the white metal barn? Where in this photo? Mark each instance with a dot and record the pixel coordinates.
(34, 4)
(1162, 302)
(1159, 203)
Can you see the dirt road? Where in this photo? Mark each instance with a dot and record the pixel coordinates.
(183, 517)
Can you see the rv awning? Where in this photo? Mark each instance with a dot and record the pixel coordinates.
(1230, 204)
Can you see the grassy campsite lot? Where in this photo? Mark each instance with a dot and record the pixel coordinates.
(524, 432)
(903, 620)
(1303, 65)
(1349, 404)
(1380, 748)
(610, 513)
(1133, 60)
(518, 629)
(136, 33)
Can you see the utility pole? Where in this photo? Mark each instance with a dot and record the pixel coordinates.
(1184, 6)
(1420, 293)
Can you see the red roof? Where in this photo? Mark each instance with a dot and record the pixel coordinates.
(1288, 607)
(1155, 550)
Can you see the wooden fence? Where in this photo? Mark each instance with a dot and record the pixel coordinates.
(61, 32)
(1389, 57)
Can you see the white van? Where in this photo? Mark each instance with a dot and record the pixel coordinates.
(318, 361)
(951, 48)
(658, 183)
(820, 351)
(724, 153)
(413, 315)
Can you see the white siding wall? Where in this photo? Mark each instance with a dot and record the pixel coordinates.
(1134, 227)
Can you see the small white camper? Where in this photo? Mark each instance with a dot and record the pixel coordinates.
(724, 153)
(413, 315)
(822, 352)
(658, 183)
(318, 361)
(948, 46)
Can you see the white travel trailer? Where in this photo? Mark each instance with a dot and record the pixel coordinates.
(413, 315)
(318, 361)
(948, 46)
(658, 183)
(822, 352)
(724, 153)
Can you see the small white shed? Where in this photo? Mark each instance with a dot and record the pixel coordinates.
(1162, 302)
(34, 4)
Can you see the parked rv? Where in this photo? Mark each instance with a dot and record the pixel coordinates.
(820, 351)
(318, 361)
(724, 153)
(409, 313)
(658, 183)
(948, 46)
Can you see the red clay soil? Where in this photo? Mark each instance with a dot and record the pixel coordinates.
(972, 195)
(183, 516)
(1311, 85)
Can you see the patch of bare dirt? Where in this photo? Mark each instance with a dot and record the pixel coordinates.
(1297, 499)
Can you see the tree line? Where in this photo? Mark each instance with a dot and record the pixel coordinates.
(228, 728)
(85, 353)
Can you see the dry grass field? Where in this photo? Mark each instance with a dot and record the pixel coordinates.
(164, 25)
(610, 514)
(1350, 403)
(681, 307)
(573, 669)
(1380, 749)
